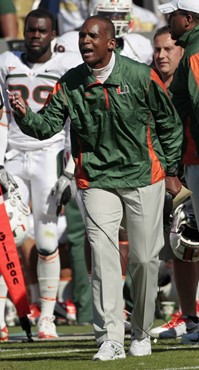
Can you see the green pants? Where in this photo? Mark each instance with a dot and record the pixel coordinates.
(81, 284)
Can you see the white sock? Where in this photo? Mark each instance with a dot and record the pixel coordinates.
(3, 297)
(48, 272)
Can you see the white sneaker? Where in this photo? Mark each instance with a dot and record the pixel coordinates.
(176, 327)
(47, 328)
(140, 347)
(110, 350)
(191, 338)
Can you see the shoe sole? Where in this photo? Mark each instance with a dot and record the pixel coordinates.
(139, 354)
(120, 357)
(45, 336)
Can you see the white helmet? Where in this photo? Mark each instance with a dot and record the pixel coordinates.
(184, 235)
(17, 212)
(119, 11)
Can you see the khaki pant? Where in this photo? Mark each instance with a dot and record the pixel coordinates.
(144, 219)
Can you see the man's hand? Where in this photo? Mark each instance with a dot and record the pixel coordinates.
(173, 185)
(6, 179)
(64, 190)
(17, 104)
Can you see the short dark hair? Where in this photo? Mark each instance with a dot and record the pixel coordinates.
(161, 31)
(41, 13)
(110, 28)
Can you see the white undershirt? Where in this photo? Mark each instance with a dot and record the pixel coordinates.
(102, 74)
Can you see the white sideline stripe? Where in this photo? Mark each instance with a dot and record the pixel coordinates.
(39, 353)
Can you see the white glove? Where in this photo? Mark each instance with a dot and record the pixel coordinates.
(64, 190)
(6, 179)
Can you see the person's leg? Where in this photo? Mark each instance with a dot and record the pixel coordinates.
(81, 286)
(16, 165)
(186, 279)
(103, 216)
(189, 302)
(192, 180)
(29, 257)
(144, 214)
(45, 162)
(144, 217)
(65, 310)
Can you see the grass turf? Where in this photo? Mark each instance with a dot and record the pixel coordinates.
(75, 351)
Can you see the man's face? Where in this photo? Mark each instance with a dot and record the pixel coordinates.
(95, 43)
(38, 35)
(177, 21)
(166, 54)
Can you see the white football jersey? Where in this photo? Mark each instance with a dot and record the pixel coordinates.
(33, 83)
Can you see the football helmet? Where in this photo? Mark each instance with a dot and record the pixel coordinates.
(17, 212)
(119, 11)
(184, 235)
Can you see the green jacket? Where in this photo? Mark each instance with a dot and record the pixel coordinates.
(125, 133)
(185, 91)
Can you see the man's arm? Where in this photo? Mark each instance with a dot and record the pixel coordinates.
(167, 123)
(8, 19)
(48, 121)
(169, 131)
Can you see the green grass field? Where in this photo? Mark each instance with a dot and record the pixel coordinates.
(76, 346)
